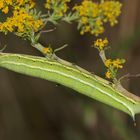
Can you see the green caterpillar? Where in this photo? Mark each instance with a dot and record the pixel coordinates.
(73, 77)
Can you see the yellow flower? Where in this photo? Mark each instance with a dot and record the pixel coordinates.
(31, 4)
(47, 50)
(108, 62)
(117, 63)
(37, 24)
(108, 74)
(1, 4)
(84, 20)
(9, 2)
(5, 10)
(101, 44)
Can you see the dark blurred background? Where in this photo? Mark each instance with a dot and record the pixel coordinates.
(35, 109)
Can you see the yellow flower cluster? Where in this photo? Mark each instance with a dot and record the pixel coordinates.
(4, 5)
(15, 4)
(113, 66)
(58, 7)
(100, 44)
(21, 21)
(93, 15)
(111, 10)
(117, 63)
